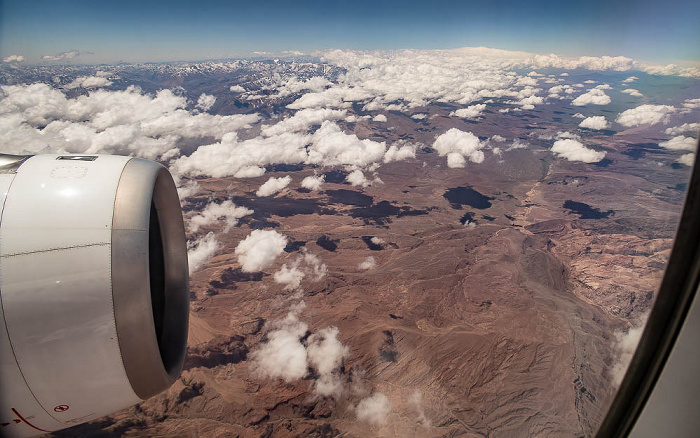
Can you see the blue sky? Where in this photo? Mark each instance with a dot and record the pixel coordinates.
(136, 31)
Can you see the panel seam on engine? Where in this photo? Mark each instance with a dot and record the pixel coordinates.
(62, 248)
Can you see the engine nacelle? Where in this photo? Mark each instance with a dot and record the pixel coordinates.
(93, 286)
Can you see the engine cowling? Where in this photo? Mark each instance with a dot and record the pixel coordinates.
(93, 286)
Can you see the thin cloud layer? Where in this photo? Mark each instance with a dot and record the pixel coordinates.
(374, 409)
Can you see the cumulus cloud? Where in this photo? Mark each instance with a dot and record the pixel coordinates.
(283, 356)
(680, 143)
(325, 354)
(303, 120)
(595, 122)
(289, 276)
(260, 249)
(645, 115)
(305, 265)
(357, 179)
(579, 116)
(367, 264)
(89, 82)
(205, 102)
(61, 56)
(632, 92)
(213, 212)
(684, 128)
(13, 58)
(379, 118)
(313, 182)
(419, 116)
(377, 240)
(630, 79)
(396, 152)
(595, 96)
(236, 89)
(374, 409)
(469, 112)
(458, 145)
(273, 186)
(573, 150)
(39, 119)
(330, 146)
(200, 251)
(687, 159)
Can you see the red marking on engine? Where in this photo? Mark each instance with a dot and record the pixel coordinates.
(27, 422)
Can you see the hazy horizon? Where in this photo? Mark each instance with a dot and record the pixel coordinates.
(89, 33)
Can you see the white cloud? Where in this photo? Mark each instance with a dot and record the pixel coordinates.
(89, 82)
(290, 277)
(469, 112)
(357, 178)
(367, 264)
(692, 103)
(205, 102)
(236, 89)
(645, 115)
(39, 119)
(594, 96)
(687, 159)
(632, 92)
(283, 356)
(214, 212)
(325, 354)
(573, 150)
(377, 240)
(374, 409)
(684, 128)
(626, 344)
(595, 122)
(680, 143)
(260, 249)
(14, 58)
(379, 118)
(630, 79)
(201, 251)
(313, 182)
(579, 116)
(332, 147)
(419, 116)
(273, 186)
(457, 145)
(61, 56)
(396, 153)
(303, 120)
(415, 400)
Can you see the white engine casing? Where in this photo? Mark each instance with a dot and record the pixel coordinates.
(93, 287)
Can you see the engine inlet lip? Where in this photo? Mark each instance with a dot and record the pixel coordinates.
(152, 361)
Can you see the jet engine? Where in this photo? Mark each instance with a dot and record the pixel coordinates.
(93, 287)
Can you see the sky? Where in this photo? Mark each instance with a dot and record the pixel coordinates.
(143, 31)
